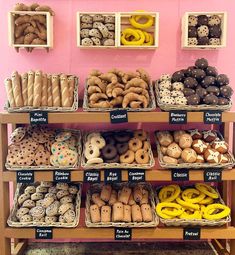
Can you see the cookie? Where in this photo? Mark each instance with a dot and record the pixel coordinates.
(51, 195)
(66, 199)
(63, 136)
(39, 202)
(25, 158)
(36, 196)
(57, 147)
(67, 158)
(21, 212)
(47, 201)
(36, 219)
(29, 204)
(50, 219)
(41, 189)
(52, 210)
(26, 218)
(46, 184)
(30, 190)
(37, 212)
(39, 137)
(52, 190)
(65, 207)
(69, 216)
(54, 160)
(62, 193)
(29, 142)
(11, 160)
(42, 158)
(73, 190)
(23, 198)
(86, 18)
(63, 186)
(109, 19)
(13, 149)
(17, 135)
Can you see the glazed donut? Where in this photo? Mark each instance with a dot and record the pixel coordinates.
(122, 148)
(114, 160)
(110, 140)
(109, 152)
(147, 146)
(91, 152)
(89, 136)
(94, 161)
(128, 157)
(135, 144)
(142, 156)
(98, 141)
(122, 137)
(141, 134)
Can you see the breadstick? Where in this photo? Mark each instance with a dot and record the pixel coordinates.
(10, 96)
(44, 90)
(24, 82)
(37, 89)
(71, 81)
(49, 91)
(64, 88)
(55, 90)
(17, 89)
(30, 87)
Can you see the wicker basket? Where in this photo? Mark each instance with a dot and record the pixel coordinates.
(76, 133)
(13, 222)
(115, 165)
(151, 107)
(73, 108)
(97, 188)
(196, 222)
(194, 165)
(201, 107)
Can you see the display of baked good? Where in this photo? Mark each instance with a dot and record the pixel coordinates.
(193, 148)
(199, 204)
(117, 149)
(97, 29)
(41, 147)
(197, 87)
(118, 89)
(121, 205)
(37, 90)
(46, 204)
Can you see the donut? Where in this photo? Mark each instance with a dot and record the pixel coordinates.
(135, 144)
(142, 156)
(114, 160)
(122, 148)
(88, 138)
(128, 157)
(98, 141)
(92, 151)
(122, 137)
(109, 152)
(147, 146)
(141, 134)
(110, 140)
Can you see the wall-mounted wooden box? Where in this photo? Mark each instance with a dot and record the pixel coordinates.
(185, 30)
(12, 15)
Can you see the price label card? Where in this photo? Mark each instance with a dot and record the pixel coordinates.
(112, 176)
(136, 175)
(178, 117)
(43, 233)
(61, 176)
(192, 234)
(123, 234)
(38, 117)
(91, 176)
(212, 117)
(180, 175)
(212, 175)
(25, 176)
(118, 116)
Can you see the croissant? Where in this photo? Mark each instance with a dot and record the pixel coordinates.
(116, 101)
(101, 104)
(136, 82)
(110, 77)
(117, 92)
(144, 75)
(134, 97)
(97, 96)
(93, 89)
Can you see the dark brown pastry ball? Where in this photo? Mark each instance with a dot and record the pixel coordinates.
(188, 92)
(201, 63)
(203, 40)
(211, 71)
(198, 74)
(213, 90)
(192, 32)
(226, 91)
(189, 70)
(190, 82)
(223, 101)
(201, 92)
(193, 99)
(178, 76)
(215, 31)
(222, 79)
(208, 81)
(211, 99)
(202, 20)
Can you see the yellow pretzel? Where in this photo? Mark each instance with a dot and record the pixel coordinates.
(160, 206)
(176, 193)
(138, 37)
(206, 201)
(135, 18)
(174, 213)
(164, 192)
(187, 204)
(194, 216)
(192, 192)
(148, 38)
(208, 190)
(217, 216)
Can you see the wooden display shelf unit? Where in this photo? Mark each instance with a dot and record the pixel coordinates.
(11, 30)
(184, 28)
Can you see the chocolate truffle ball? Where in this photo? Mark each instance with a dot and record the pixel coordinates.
(198, 74)
(226, 91)
(215, 41)
(222, 79)
(201, 63)
(215, 31)
(208, 81)
(188, 92)
(178, 76)
(223, 101)
(189, 70)
(203, 31)
(192, 20)
(192, 32)
(203, 40)
(190, 82)
(201, 92)
(214, 20)
(211, 71)
(213, 90)
(192, 41)
(211, 99)
(202, 20)
(193, 99)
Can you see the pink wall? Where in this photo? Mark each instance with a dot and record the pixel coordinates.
(66, 57)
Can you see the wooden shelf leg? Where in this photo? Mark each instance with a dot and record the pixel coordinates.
(20, 247)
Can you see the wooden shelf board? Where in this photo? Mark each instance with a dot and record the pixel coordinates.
(104, 117)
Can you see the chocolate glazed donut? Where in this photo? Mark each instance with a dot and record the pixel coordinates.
(110, 140)
(122, 148)
(114, 160)
(109, 152)
(123, 137)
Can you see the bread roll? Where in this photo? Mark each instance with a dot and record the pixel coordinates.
(145, 197)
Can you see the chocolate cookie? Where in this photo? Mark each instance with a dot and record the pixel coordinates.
(192, 32)
(178, 76)
(201, 63)
(201, 92)
(202, 20)
(223, 101)
(215, 31)
(204, 40)
(188, 72)
(213, 90)
(188, 92)
(190, 82)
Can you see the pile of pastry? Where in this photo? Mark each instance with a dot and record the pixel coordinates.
(124, 205)
(118, 89)
(28, 28)
(47, 202)
(97, 30)
(42, 146)
(192, 146)
(36, 89)
(198, 84)
(125, 147)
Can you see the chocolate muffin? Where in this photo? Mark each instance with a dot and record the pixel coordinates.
(208, 81)
(178, 76)
(201, 63)
(198, 74)
(193, 99)
(223, 101)
(202, 20)
(226, 91)
(190, 82)
(189, 70)
(222, 79)
(188, 92)
(211, 71)
(215, 31)
(192, 32)
(211, 99)
(213, 90)
(201, 92)
(203, 40)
